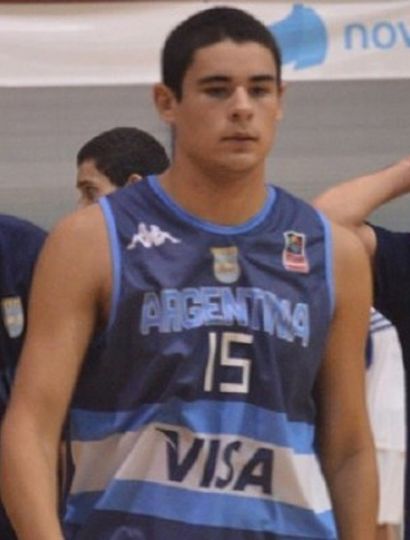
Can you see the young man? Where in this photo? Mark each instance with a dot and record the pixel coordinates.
(230, 371)
(116, 158)
(350, 203)
(20, 243)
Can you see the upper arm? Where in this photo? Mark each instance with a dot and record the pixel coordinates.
(341, 392)
(368, 238)
(348, 204)
(66, 296)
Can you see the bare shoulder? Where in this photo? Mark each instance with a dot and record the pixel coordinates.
(81, 233)
(75, 256)
(79, 229)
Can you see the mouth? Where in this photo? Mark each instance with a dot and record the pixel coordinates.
(240, 137)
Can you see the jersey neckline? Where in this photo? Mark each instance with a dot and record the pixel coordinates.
(208, 226)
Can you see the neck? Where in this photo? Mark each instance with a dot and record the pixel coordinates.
(223, 197)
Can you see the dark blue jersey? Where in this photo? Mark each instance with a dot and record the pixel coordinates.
(392, 298)
(196, 418)
(20, 242)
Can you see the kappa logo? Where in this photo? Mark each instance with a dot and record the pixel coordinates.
(302, 37)
(294, 253)
(151, 236)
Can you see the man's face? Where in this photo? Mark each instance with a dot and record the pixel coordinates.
(91, 183)
(230, 107)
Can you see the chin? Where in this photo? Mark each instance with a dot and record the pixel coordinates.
(238, 166)
(242, 160)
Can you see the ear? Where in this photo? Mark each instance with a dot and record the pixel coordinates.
(134, 177)
(281, 91)
(165, 101)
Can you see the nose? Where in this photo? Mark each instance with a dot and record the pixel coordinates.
(241, 104)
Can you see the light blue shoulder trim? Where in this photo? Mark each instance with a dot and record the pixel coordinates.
(115, 257)
(207, 225)
(329, 261)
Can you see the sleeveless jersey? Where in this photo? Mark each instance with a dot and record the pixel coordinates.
(20, 242)
(196, 418)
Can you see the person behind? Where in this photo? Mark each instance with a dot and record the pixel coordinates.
(227, 399)
(115, 158)
(20, 243)
(350, 203)
(106, 162)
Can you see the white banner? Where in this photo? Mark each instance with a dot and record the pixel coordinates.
(119, 43)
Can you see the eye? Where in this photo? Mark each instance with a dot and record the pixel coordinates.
(260, 91)
(218, 92)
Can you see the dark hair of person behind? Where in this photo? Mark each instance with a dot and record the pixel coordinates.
(207, 28)
(123, 151)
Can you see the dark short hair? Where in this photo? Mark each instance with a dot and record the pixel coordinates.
(123, 151)
(207, 28)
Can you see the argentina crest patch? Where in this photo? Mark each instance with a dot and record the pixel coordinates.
(13, 315)
(294, 256)
(226, 264)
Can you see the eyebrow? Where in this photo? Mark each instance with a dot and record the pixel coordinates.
(225, 78)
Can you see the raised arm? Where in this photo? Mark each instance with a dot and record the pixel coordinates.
(66, 295)
(345, 440)
(350, 203)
